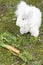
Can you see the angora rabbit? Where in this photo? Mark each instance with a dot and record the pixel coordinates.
(28, 18)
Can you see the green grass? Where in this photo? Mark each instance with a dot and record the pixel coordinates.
(31, 48)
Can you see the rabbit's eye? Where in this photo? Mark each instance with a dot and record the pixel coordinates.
(23, 18)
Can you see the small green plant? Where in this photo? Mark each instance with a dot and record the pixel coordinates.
(6, 38)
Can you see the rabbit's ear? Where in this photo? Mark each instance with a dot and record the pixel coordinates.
(21, 7)
(21, 4)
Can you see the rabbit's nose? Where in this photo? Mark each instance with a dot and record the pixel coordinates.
(17, 24)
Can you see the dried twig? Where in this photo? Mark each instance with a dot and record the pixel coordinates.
(12, 49)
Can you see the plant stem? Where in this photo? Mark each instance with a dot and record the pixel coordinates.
(12, 49)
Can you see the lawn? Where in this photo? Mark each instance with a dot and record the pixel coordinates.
(31, 48)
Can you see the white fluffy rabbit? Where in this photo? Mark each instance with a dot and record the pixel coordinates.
(28, 18)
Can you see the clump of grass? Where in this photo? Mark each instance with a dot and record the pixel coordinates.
(5, 38)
